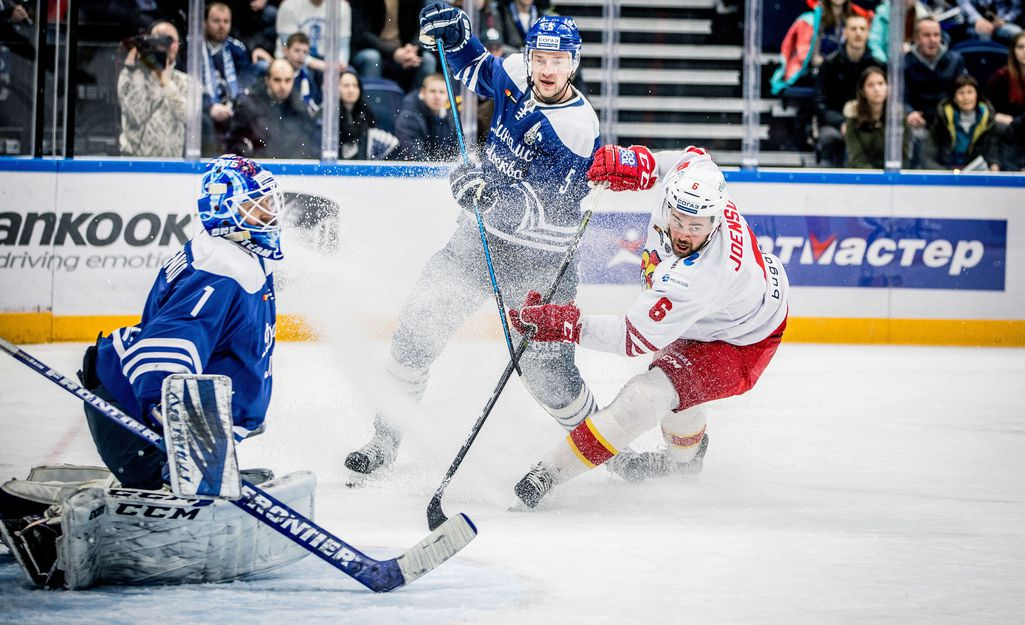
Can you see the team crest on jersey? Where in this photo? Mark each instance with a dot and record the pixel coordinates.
(649, 260)
(526, 109)
(532, 135)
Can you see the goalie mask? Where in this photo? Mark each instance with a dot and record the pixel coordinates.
(240, 201)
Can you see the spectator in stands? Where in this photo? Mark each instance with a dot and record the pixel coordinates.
(253, 23)
(514, 19)
(836, 84)
(426, 128)
(991, 19)
(308, 81)
(866, 122)
(226, 72)
(151, 94)
(964, 130)
(1012, 146)
(487, 15)
(929, 73)
(356, 118)
(358, 135)
(879, 31)
(310, 18)
(386, 41)
(271, 120)
(813, 36)
(1006, 88)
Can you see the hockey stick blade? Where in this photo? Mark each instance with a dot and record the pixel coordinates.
(435, 514)
(376, 575)
(440, 545)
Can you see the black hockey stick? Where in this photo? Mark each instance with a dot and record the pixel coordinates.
(476, 211)
(377, 575)
(435, 515)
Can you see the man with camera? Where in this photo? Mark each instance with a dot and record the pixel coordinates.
(152, 94)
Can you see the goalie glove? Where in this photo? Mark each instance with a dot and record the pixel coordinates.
(549, 322)
(467, 181)
(624, 169)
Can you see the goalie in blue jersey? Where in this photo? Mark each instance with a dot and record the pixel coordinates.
(529, 184)
(211, 310)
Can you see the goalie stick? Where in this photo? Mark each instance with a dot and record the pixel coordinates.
(377, 575)
(476, 211)
(435, 515)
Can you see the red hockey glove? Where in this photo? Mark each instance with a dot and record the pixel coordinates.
(625, 169)
(550, 322)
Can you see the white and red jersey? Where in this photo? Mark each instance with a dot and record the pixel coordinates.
(728, 290)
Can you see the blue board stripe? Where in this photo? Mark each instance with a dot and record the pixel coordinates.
(408, 170)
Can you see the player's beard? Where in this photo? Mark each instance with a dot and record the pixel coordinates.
(683, 248)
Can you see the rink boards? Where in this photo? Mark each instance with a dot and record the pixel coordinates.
(913, 258)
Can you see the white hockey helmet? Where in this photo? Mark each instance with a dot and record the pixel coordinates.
(696, 188)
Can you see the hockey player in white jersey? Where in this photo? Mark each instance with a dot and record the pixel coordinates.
(712, 314)
(529, 185)
(211, 310)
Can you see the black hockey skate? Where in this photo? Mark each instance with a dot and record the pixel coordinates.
(637, 467)
(379, 452)
(534, 485)
(33, 542)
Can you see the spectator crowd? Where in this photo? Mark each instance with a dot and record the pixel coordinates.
(958, 114)
(263, 76)
(263, 62)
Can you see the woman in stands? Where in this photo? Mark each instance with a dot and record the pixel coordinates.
(812, 37)
(866, 122)
(358, 137)
(1006, 88)
(964, 129)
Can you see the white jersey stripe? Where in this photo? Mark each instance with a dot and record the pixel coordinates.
(158, 366)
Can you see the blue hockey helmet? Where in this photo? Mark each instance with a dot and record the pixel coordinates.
(240, 201)
(554, 33)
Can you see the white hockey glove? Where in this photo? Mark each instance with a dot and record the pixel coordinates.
(441, 21)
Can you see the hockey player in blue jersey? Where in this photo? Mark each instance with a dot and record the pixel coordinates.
(210, 310)
(529, 185)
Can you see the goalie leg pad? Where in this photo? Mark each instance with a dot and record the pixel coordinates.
(124, 536)
(50, 484)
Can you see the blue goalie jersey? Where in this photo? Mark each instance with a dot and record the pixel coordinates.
(541, 152)
(211, 310)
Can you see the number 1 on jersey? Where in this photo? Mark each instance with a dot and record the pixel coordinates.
(207, 292)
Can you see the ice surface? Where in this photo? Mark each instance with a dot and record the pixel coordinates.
(854, 484)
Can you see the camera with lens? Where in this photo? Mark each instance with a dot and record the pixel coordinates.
(152, 50)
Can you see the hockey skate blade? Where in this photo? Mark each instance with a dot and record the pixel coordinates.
(440, 545)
